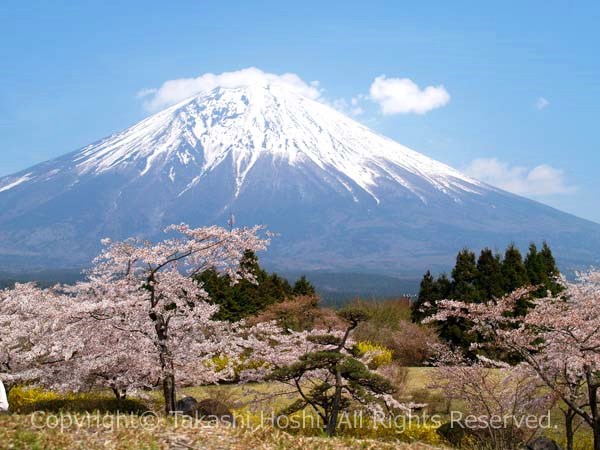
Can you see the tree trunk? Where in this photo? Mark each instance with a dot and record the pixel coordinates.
(118, 394)
(569, 417)
(169, 392)
(166, 364)
(335, 405)
(596, 431)
(593, 402)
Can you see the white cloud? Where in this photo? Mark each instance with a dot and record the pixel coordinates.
(145, 93)
(173, 91)
(542, 103)
(350, 108)
(403, 96)
(539, 181)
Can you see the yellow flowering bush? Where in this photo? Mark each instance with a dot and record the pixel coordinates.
(377, 355)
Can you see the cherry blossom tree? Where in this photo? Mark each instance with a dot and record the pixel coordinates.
(559, 339)
(141, 320)
(67, 339)
(29, 317)
(147, 292)
(510, 393)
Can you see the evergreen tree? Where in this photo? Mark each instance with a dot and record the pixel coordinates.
(246, 298)
(483, 280)
(331, 379)
(424, 306)
(515, 276)
(443, 287)
(536, 271)
(249, 263)
(550, 269)
(464, 276)
(514, 272)
(534, 265)
(462, 287)
(489, 276)
(303, 287)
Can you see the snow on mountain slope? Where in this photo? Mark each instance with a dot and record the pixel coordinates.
(340, 196)
(257, 121)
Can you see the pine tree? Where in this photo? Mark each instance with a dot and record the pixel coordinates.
(536, 271)
(534, 266)
(424, 306)
(489, 275)
(249, 262)
(514, 272)
(246, 298)
(462, 287)
(331, 380)
(550, 269)
(464, 276)
(515, 276)
(443, 287)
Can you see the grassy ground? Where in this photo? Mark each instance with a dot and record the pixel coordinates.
(419, 377)
(45, 420)
(88, 421)
(20, 432)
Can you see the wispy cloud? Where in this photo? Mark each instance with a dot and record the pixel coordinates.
(173, 91)
(541, 180)
(541, 103)
(403, 96)
(350, 108)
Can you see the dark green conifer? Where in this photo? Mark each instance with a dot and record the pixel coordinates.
(514, 272)
(464, 276)
(303, 287)
(489, 275)
(424, 306)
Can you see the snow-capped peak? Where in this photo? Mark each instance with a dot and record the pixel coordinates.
(242, 125)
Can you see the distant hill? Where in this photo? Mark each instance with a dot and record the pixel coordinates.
(44, 278)
(334, 288)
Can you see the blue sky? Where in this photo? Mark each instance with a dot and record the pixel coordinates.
(522, 78)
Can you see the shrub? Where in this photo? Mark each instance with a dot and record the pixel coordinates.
(410, 343)
(377, 355)
(418, 432)
(28, 400)
(299, 314)
(220, 363)
(386, 313)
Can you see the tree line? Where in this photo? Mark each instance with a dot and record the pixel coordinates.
(252, 294)
(480, 279)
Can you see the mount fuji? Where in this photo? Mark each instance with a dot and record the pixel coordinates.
(340, 196)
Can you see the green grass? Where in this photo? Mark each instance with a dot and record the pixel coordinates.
(419, 377)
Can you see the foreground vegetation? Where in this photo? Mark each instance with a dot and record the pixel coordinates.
(32, 425)
(16, 433)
